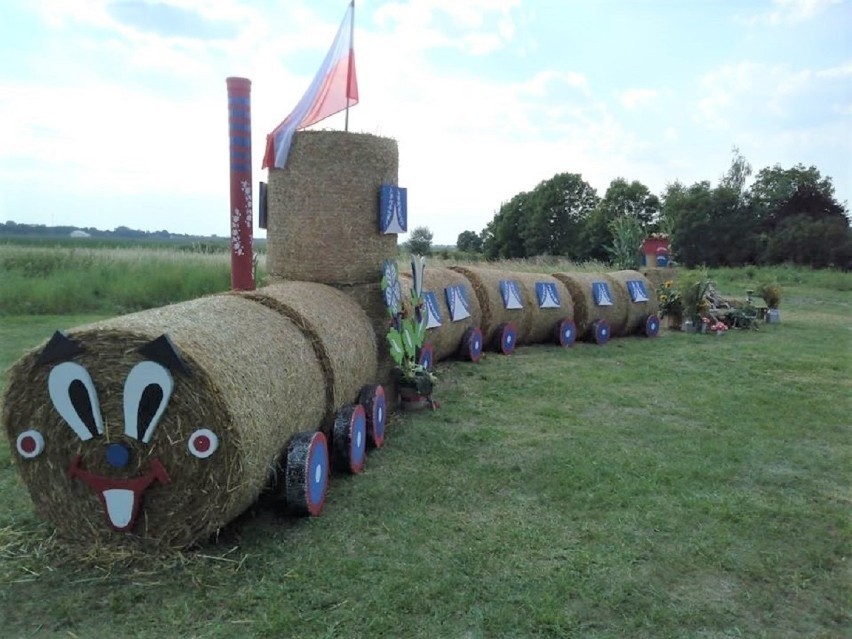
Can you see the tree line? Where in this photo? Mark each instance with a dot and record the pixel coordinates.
(42, 230)
(785, 215)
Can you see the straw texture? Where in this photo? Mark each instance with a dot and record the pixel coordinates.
(371, 300)
(543, 321)
(446, 338)
(659, 276)
(255, 380)
(339, 331)
(486, 284)
(637, 312)
(323, 208)
(586, 312)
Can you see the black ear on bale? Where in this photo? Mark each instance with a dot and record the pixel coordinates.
(163, 351)
(60, 348)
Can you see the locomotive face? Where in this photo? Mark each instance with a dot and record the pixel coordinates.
(104, 443)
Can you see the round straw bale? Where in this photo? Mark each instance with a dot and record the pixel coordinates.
(543, 323)
(340, 333)
(486, 284)
(323, 208)
(446, 338)
(659, 276)
(637, 312)
(252, 379)
(586, 312)
(371, 299)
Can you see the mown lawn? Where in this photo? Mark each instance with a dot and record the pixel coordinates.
(686, 486)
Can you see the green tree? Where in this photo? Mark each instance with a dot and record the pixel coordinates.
(688, 211)
(818, 243)
(802, 221)
(559, 209)
(714, 226)
(469, 242)
(420, 241)
(733, 240)
(737, 173)
(775, 187)
(633, 200)
(502, 236)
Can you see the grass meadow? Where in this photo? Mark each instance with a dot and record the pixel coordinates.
(683, 486)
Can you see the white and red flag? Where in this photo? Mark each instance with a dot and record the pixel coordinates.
(333, 89)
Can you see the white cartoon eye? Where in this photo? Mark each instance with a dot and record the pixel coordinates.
(147, 390)
(30, 443)
(73, 395)
(203, 443)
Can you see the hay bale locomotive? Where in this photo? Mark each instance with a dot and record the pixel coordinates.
(162, 426)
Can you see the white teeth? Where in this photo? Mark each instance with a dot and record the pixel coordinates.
(119, 506)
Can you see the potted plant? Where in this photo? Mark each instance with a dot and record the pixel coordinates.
(694, 289)
(671, 304)
(406, 335)
(771, 294)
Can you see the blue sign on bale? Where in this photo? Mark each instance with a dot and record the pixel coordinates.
(638, 292)
(602, 295)
(433, 311)
(457, 302)
(548, 296)
(393, 209)
(511, 292)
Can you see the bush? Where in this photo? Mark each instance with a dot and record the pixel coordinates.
(771, 293)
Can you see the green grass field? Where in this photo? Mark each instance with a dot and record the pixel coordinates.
(45, 279)
(685, 486)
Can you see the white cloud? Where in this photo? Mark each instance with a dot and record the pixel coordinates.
(792, 11)
(477, 27)
(761, 92)
(633, 98)
(133, 114)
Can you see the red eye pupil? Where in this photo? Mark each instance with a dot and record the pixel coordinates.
(28, 445)
(202, 443)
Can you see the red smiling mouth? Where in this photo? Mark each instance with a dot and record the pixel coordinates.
(120, 498)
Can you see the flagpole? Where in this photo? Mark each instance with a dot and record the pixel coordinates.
(349, 62)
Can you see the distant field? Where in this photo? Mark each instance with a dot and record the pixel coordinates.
(56, 279)
(684, 486)
(195, 245)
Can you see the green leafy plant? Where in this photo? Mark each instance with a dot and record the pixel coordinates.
(669, 298)
(694, 289)
(407, 330)
(626, 247)
(771, 293)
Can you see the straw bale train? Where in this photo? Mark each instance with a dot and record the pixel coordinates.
(162, 426)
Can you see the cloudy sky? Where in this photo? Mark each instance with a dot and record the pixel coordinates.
(114, 112)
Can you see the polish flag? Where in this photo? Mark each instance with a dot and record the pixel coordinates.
(334, 88)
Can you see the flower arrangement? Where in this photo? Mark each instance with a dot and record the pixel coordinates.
(719, 327)
(671, 303)
(695, 287)
(407, 330)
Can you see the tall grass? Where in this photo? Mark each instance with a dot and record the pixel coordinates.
(786, 275)
(540, 264)
(38, 280)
